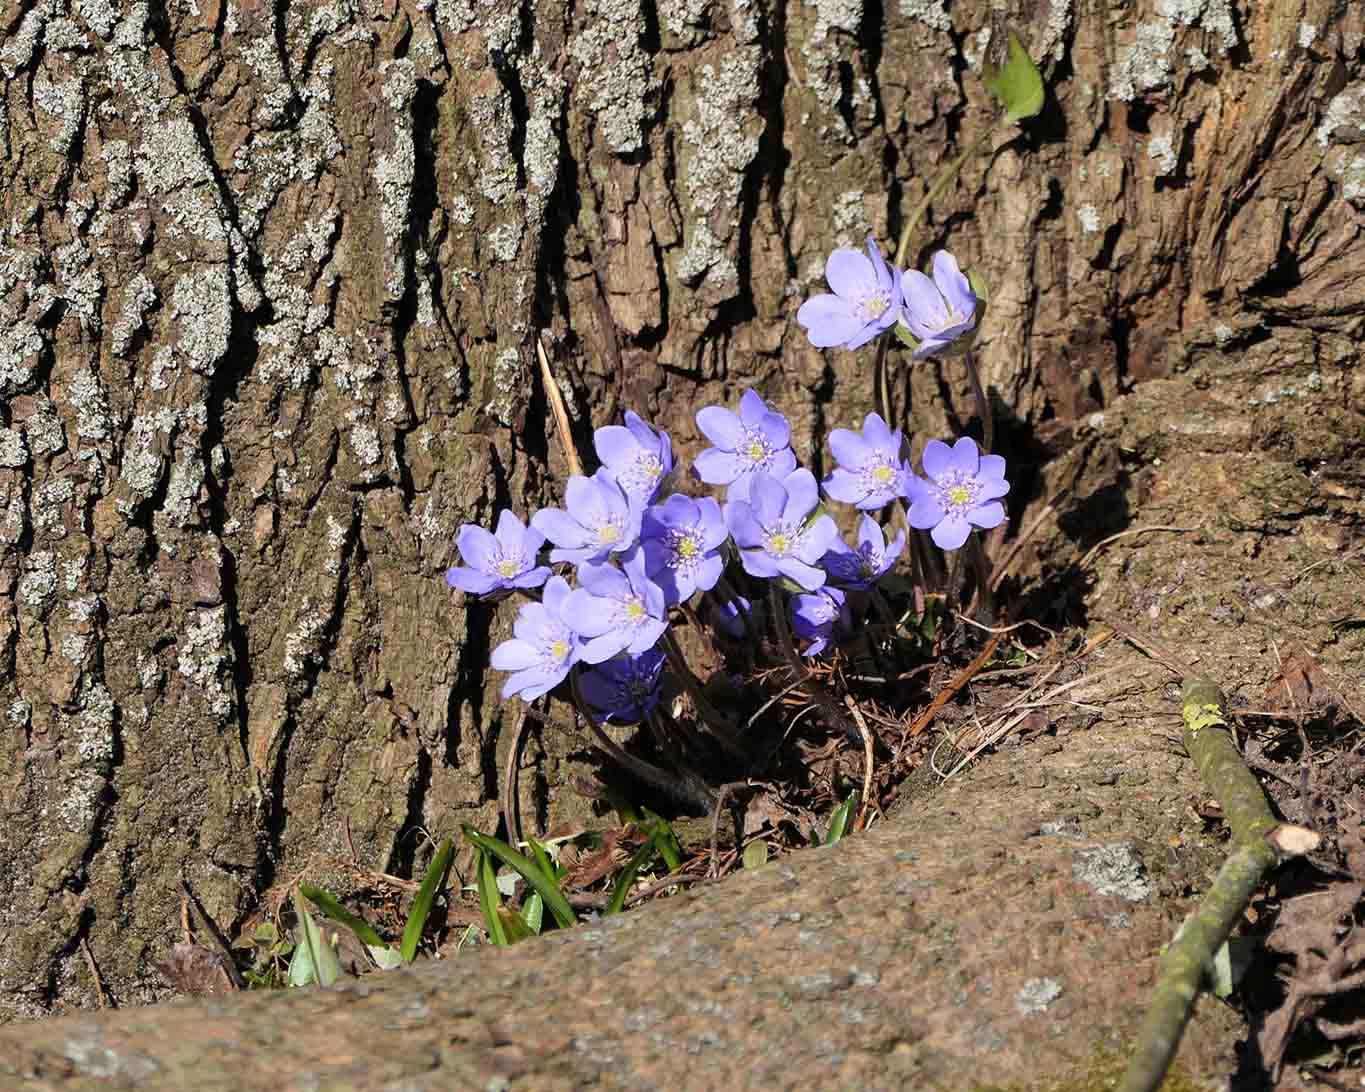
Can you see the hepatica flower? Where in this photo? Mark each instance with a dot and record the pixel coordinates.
(865, 301)
(681, 540)
(543, 647)
(756, 439)
(940, 311)
(598, 520)
(871, 472)
(636, 456)
(818, 616)
(728, 617)
(861, 568)
(774, 533)
(616, 609)
(500, 561)
(624, 688)
(961, 492)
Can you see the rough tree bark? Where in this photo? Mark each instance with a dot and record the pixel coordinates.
(269, 275)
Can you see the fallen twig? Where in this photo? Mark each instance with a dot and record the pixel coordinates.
(100, 991)
(1259, 841)
(944, 696)
(867, 759)
(556, 399)
(1096, 549)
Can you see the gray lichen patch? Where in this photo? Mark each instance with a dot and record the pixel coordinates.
(1037, 995)
(1112, 869)
(615, 74)
(1146, 64)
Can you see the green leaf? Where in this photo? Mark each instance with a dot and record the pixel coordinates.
(533, 913)
(547, 866)
(385, 956)
(330, 907)
(755, 854)
(1018, 84)
(626, 880)
(490, 900)
(838, 822)
(529, 871)
(665, 840)
(426, 895)
(314, 959)
(514, 926)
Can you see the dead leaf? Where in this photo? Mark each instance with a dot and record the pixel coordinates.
(197, 971)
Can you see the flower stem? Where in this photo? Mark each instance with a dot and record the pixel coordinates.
(983, 403)
(722, 727)
(982, 566)
(829, 708)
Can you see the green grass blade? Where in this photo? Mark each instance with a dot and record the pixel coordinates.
(543, 859)
(626, 879)
(529, 871)
(314, 959)
(661, 833)
(838, 822)
(330, 907)
(426, 895)
(514, 925)
(490, 900)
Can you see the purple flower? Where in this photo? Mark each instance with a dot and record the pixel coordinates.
(861, 568)
(600, 520)
(543, 648)
(681, 540)
(817, 616)
(727, 617)
(616, 609)
(625, 688)
(939, 312)
(871, 472)
(865, 302)
(771, 531)
(497, 562)
(636, 456)
(961, 493)
(756, 439)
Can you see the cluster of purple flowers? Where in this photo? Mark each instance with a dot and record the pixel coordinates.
(935, 316)
(638, 552)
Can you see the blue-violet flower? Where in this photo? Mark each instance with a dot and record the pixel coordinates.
(639, 458)
(543, 648)
(616, 609)
(818, 616)
(865, 302)
(938, 313)
(871, 471)
(500, 561)
(755, 439)
(861, 568)
(681, 540)
(624, 688)
(772, 532)
(728, 617)
(600, 520)
(961, 492)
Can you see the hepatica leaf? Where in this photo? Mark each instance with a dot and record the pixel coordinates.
(1017, 84)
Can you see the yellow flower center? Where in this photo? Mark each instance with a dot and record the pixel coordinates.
(687, 548)
(635, 610)
(959, 494)
(883, 474)
(508, 568)
(608, 534)
(756, 452)
(560, 649)
(779, 544)
(875, 305)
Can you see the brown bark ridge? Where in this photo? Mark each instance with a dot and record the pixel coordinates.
(269, 275)
(1004, 933)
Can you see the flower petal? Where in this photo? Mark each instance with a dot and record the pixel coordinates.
(470, 580)
(818, 538)
(758, 563)
(966, 457)
(720, 426)
(719, 467)
(605, 646)
(850, 450)
(828, 321)
(556, 592)
(616, 445)
(951, 533)
(478, 548)
(514, 655)
(712, 523)
(752, 408)
(937, 459)
(987, 515)
(803, 494)
(992, 466)
(849, 272)
(560, 528)
(925, 513)
(768, 498)
(808, 576)
(774, 428)
(844, 487)
(924, 308)
(954, 285)
(744, 528)
(604, 581)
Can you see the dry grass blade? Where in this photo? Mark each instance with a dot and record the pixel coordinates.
(944, 696)
(561, 414)
(1099, 547)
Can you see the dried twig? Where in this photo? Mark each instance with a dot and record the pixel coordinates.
(556, 399)
(100, 991)
(1096, 549)
(867, 758)
(944, 696)
(1003, 570)
(1159, 653)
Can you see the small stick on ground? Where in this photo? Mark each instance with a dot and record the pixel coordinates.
(1019, 543)
(1096, 549)
(100, 991)
(556, 399)
(867, 760)
(944, 696)
(1143, 643)
(713, 870)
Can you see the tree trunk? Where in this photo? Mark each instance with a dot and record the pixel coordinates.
(270, 277)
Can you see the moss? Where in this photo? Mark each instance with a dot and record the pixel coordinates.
(1102, 1070)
